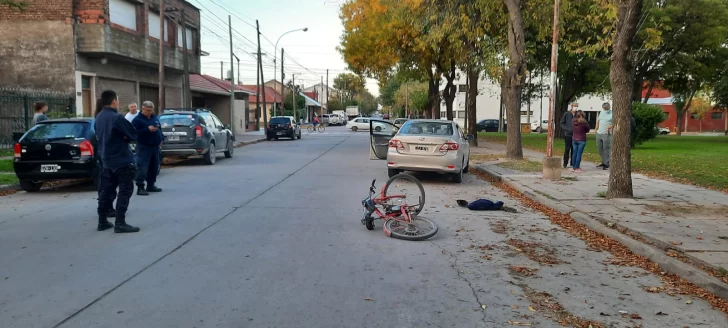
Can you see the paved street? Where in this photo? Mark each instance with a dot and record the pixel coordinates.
(272, 238)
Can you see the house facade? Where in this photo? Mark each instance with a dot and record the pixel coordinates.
(712, 121)
(213, 93)
(322, 91)
(87, 46)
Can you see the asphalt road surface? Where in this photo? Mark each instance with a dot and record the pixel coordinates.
(272, 238)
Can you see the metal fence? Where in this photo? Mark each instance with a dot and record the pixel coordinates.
(17, 109)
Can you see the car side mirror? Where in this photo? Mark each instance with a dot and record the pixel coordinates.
(227, 127)
(469, 137)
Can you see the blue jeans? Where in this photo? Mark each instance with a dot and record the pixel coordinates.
(576, 153)
(147, 163)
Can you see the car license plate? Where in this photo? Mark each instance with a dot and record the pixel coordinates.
(49, 168)
(279, 133)
(173, 138)
(420, 148)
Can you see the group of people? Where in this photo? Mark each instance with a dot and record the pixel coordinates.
(575, 127)
(120, 167)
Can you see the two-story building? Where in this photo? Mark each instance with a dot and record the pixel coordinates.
(87, 46)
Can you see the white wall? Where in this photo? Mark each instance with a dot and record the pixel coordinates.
(488, 101)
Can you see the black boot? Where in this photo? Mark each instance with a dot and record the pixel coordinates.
(153, 188)
(122, 227)
(111, 214)
(141, 191)
(104, 224)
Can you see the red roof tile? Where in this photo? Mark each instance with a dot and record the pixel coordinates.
(271, 95)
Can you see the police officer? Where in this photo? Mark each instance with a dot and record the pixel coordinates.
(149, 139)
(115, 133)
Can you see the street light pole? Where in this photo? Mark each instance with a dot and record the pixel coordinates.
(275, 53)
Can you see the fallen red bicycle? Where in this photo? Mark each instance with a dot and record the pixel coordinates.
(400, 217)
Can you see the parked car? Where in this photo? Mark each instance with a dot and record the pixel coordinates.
(365, 123)
(535, 127)
(490, 126)
(332, 119)
(283, 126)
(423, 145)
(385, 116)
(57, 149)
(662, 131)
(195, 132)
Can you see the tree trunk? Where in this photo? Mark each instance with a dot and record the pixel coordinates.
(514, 77)
(680, 115)
(450, 91)
(473, 77)
(648, 94)
(639, 81)
(621, 78)
(433, 98)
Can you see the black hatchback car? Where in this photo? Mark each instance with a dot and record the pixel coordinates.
(490, 126)
(282, 126)
(55, 150)
(193, 132)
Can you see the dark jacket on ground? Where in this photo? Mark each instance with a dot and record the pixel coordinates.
(579, 130)
(114, 133)
(145, 137)
(566, 123)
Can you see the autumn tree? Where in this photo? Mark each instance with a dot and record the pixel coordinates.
(412, 96)
(350, 85)
(621, 78)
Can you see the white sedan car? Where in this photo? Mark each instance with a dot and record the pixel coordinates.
(365, 123)
(423, 145)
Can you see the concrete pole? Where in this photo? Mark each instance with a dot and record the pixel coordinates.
(262, 78)
(280, 106)
(552, 91)
(160, 105)
(186, 91)
(232, 78)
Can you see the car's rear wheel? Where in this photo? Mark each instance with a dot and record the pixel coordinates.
(392, 172)
(211, 156)
(353, 128)
(467, 167)
(230, 149)
(30, 185)
(299, 134)
(378, 129)
(458, 177)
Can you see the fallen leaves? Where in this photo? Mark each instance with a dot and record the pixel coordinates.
(547, 305)
(523, 270)
(621, 255)
(535, 251)
(518, 323)
(499, 226)
(676, 243)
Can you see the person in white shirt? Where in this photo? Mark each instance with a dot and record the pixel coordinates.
(132, 112)
(604, 135)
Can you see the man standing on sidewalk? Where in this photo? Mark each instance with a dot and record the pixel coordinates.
(133, 112)
(567, 125)
(150, 138)
(604, 135)
(114, 134)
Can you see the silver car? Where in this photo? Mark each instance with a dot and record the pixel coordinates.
(422, 145)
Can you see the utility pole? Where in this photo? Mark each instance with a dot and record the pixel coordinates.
(530, 89)
(232, 77)
(186, 81)
(327, 91)
(540, 117)
(552, 92)
(321, 95)
(257, 95)
(260, 69)
(222, 76)
(160, 105)
(283, 76)
(238, 59)
(293, 95)
(406, 98)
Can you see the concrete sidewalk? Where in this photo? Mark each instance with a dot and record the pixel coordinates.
(251, 137)
(674, 220)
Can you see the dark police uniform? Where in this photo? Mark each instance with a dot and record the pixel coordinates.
(115, 133)
(147, 150)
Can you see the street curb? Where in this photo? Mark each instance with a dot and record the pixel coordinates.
(668, 264)
(239, 144)
(16, 187)
(9, 187)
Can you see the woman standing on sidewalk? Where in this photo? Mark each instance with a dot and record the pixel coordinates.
(580, 129)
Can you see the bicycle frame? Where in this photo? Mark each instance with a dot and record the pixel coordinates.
(381, 200)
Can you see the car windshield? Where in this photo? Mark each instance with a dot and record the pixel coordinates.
(169, 120)
(280, 120)
(426, 128)
(59, 131)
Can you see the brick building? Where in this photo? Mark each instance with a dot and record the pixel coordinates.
(87, 46)
(713, 121)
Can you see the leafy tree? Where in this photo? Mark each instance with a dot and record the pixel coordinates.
(416, 94)
(387, 90)
(647, 117)
(334, 104)
(350, 85)
(13, 4)
(620, 76)
(366, 102)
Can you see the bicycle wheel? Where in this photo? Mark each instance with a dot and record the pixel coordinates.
(321, 128)
(310, 128)
(408, 186)
(420, 229)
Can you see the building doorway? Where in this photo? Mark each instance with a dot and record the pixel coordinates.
(89, 105)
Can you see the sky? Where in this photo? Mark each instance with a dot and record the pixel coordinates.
(308, 54)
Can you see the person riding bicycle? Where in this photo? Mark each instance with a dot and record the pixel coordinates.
(315, 121)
